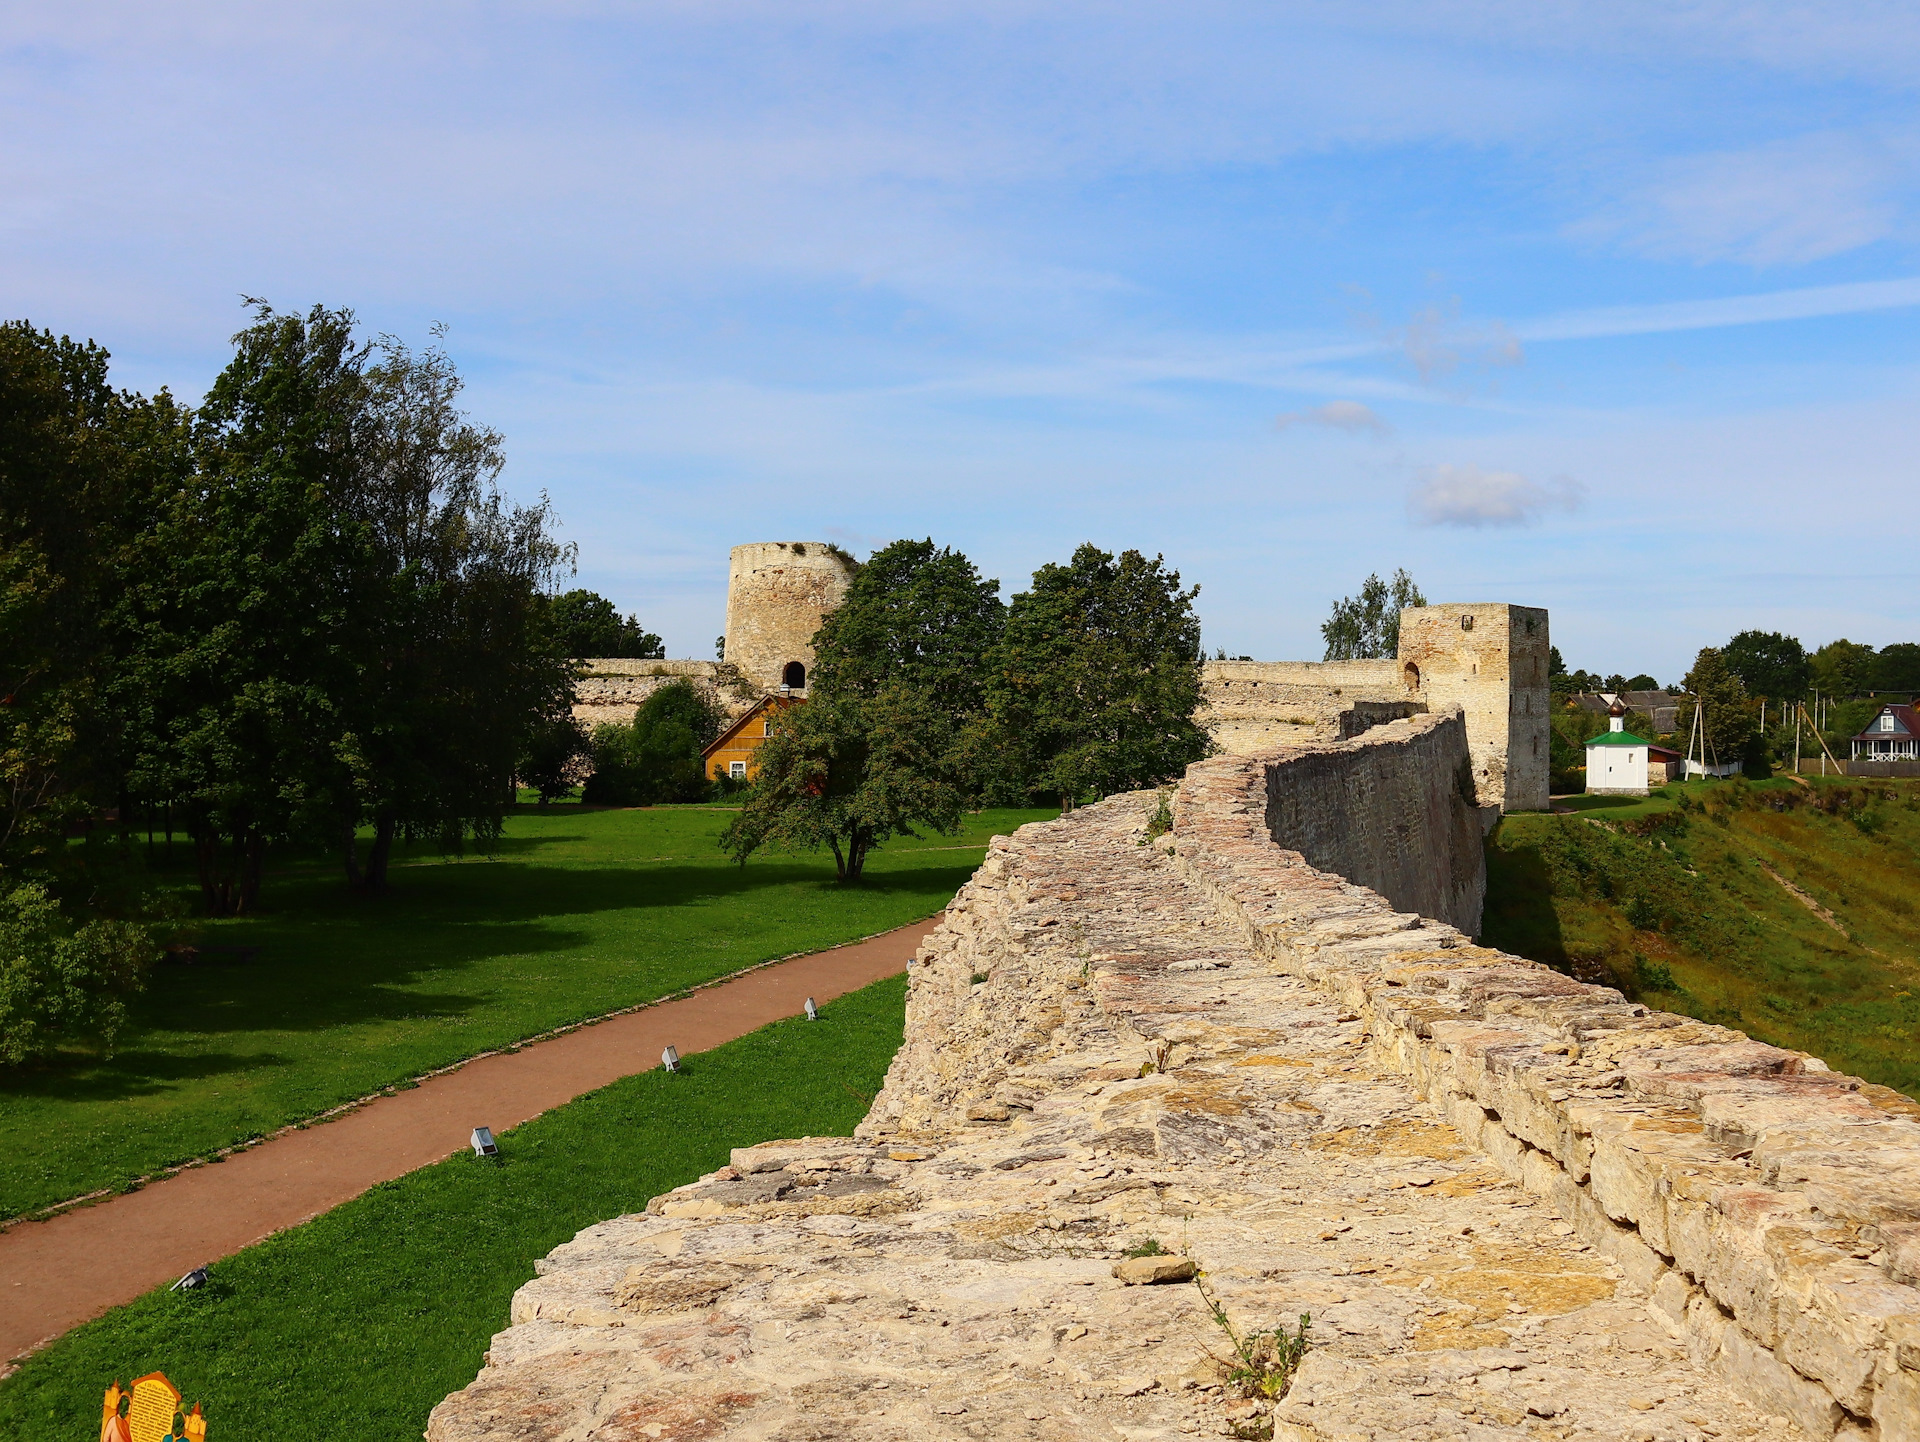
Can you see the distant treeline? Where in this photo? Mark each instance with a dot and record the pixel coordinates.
(1750, 693)
(1779, 668)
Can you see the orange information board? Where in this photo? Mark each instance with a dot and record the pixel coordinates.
(152, 1404)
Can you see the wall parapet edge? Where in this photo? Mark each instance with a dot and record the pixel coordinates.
(1769, 1206)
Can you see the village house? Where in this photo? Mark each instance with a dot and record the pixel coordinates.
(731, 753)
(1893, 735)
(1620, 763)
(1661, 707)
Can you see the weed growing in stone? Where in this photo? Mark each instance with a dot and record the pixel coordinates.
(1145, 1247)
(1262, 1363)
(1161, 822)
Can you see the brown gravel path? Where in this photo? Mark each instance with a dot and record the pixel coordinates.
(56, 1274)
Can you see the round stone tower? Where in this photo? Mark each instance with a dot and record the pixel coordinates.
(777, 593)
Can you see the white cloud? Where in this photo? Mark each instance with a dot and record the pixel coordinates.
(1340, 415)
(1784, 203)
(1469, 496)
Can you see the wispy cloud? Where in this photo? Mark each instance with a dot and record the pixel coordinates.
(1349, 416)
(1783, 203)
(1470, 496)
(1804, 303)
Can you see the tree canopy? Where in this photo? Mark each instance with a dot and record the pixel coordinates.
(302, 608)
(657, 756)
(1730, 722)
(1843, 668)
(588, 625)
(878, 748)
(1094, 684)
(1769, 664)
(1897, 667)
(1367, 627)
(81, 465)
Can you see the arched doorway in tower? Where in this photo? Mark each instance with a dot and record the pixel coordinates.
(794, 676)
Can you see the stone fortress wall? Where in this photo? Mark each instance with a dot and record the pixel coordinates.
(1517, 1206)
(1490, 660)
(613, 689)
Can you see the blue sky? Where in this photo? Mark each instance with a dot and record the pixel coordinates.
(1610, 308)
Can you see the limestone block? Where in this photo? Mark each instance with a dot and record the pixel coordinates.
(1154, 1271)
(1896, 1406)
(1673, 1295)
(1773, 1386)
(1643, 1266)
(1835, 1318)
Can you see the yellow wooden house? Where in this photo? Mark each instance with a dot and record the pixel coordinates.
(731, 753)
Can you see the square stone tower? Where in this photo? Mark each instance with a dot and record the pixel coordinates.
(1492, 660)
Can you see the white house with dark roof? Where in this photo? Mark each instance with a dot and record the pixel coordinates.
(1893, 735)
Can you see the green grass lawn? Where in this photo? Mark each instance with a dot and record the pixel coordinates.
(357, 1323)
(1670, 898)
(579, 912)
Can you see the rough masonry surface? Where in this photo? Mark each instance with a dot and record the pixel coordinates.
(1514, 1206)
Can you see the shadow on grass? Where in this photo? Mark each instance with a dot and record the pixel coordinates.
(327, 959)
(77, 1077)
(1519, 915)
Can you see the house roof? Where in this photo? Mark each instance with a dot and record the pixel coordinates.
(1617, 738)
(1633, 700)
(1905, 717)
(765, 703)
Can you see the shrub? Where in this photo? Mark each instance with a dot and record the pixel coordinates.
(59, 983)
(1652, 975)
(656, 757)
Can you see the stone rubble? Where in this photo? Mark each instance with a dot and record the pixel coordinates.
(1200, 1044)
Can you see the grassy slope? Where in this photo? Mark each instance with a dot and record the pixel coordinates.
(578, 913)
(1668, 899)
(358, 1322)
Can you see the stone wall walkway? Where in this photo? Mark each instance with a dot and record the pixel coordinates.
(1121, 1069)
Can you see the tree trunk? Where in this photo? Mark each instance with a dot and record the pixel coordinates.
(253, 864)
(839, 861)
(206, 860)
(379, 852)
(858, 843)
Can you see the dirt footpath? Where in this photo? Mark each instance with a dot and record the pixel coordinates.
(51, 1279)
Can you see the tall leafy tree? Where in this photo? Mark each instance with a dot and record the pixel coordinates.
(879, 747)
(1094, 684)
(1769, 664)
(589, 626)
(918, 616)
(79, 463)
(241, 624)
(1843, 668)
(1731, 720)
(457, 670)
(1897, 667)
(80, 467)
(1367, 627)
